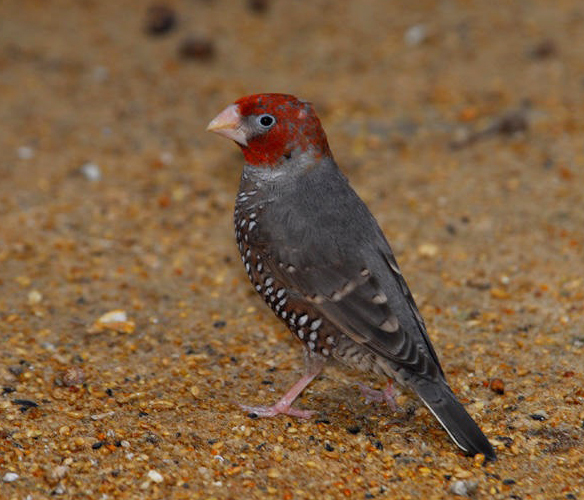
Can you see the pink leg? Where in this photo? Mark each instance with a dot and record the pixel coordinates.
(387, 395)
(284, 405)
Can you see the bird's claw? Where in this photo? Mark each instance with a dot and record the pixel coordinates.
(387, 395)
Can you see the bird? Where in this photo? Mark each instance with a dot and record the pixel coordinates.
(316, 255)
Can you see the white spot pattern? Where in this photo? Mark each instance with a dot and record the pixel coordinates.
(274, 294)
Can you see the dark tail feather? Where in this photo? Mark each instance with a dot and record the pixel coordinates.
(460, 426)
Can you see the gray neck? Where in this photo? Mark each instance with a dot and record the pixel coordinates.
(286, 174)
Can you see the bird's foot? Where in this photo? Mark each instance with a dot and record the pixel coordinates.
(284, 406)
(387, 395)
(277, 409)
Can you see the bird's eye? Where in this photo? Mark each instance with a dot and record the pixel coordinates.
(266, 120)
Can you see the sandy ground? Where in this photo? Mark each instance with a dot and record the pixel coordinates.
(460, 123)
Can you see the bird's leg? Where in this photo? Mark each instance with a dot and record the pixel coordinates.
(387, 395)
(284, 405)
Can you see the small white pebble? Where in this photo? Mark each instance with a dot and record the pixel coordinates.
(415, 35)
(100, 73)
(166, 157)
(25, 152)
(428, 250)
(100, 416)
(34, 297)
(117, 315)
(463, 488)
(155, 476)
(91, 171)
(10, 476)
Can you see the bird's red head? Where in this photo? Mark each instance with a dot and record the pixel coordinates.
(271, 128)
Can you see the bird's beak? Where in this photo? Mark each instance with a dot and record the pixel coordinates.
(228, 124)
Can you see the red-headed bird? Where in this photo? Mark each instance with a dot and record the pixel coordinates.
(318, 258)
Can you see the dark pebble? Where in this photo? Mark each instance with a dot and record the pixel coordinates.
(197, 48)
(512, 123)
(160, 19)
(109, 392)
(219, 324)
(98, 445)
(322, 421)
(545, 49)
(508, 441)
(537, 416)
(152, 439)
(354, 429)
(497, 386)
(329, 447)
(7, 390)
(25, 403)
(258, 6)
(509, 482)
(17, 371)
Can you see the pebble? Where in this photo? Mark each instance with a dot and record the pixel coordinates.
(155, 476)
(25, 152)
(545, 49)
(100, 74)
(428, 250)
(9, 477)
(463, 488)
(160, 20)
(415, 35)
(74, 375)
(258, 6)
(91, 171)
(539, 415)
(497, 386)
(197, 48)
(116, 320)
(34, 297)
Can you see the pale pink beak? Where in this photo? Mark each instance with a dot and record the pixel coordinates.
(228, 124)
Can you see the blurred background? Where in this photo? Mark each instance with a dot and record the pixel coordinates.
(128, 327)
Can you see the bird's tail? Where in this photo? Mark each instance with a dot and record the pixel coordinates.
(463, 430)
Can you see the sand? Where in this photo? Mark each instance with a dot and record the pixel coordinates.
(129, 333)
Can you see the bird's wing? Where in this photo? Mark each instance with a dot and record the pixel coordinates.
(365, 298)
